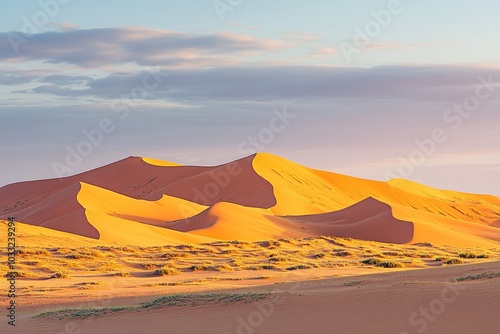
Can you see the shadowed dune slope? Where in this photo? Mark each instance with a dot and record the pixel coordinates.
(58, 210)
(367, 220)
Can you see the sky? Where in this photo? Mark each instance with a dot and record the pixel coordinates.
(374, 89)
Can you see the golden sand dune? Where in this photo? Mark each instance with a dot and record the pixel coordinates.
(144, 201)
(158, 212)
(230, 221)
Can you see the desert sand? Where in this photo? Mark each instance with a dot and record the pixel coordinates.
(258, 245)
(400, 302)
(260, 197)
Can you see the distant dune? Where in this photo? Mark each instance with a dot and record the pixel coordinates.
(145, 201)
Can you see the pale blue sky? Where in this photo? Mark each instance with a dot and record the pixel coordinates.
(449, 31)
(224, 80)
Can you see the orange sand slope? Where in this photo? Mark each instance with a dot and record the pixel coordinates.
(144, 201)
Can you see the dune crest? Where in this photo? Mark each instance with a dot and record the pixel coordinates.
(158, 162)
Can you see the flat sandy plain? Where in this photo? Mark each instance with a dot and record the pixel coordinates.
(310, 285)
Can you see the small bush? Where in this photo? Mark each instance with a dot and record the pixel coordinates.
(278, 259)
(166, 271)
(122, 274)
(454, 261)
(468, 255)
(60, 274)
(388, 264)
(343, 253)
(268, 266)
(391, 253)
(223, 267)
(30, 251)
(299, 266)
(371, 261)
(261, 267)
(150, 266)
(84, 254)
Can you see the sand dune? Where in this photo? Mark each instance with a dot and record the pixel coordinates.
(59, 210)
(158, 212)
(148, 201)
(229, 221)
(366, 220)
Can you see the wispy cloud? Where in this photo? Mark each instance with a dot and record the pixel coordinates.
(100, 47)
(264, 83)
(390, 45)
(322, 52)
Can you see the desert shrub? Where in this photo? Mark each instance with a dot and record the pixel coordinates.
(122, 274)
(33, 251)
(391, 253)
(174, 255)
(454, 261)
(88, 283)
(237, 263)
(150, 266)
(389, 264)
(229, 251)
(371, 261)
(299, 266)
(268, 266)
(108, 266)
(223, 267)
(205, 266)
(343, 253)
(60, 274)
(426, 256)
(84, 254)
(261, 267)
(166, 271)
(468, 255)
(128, 249)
